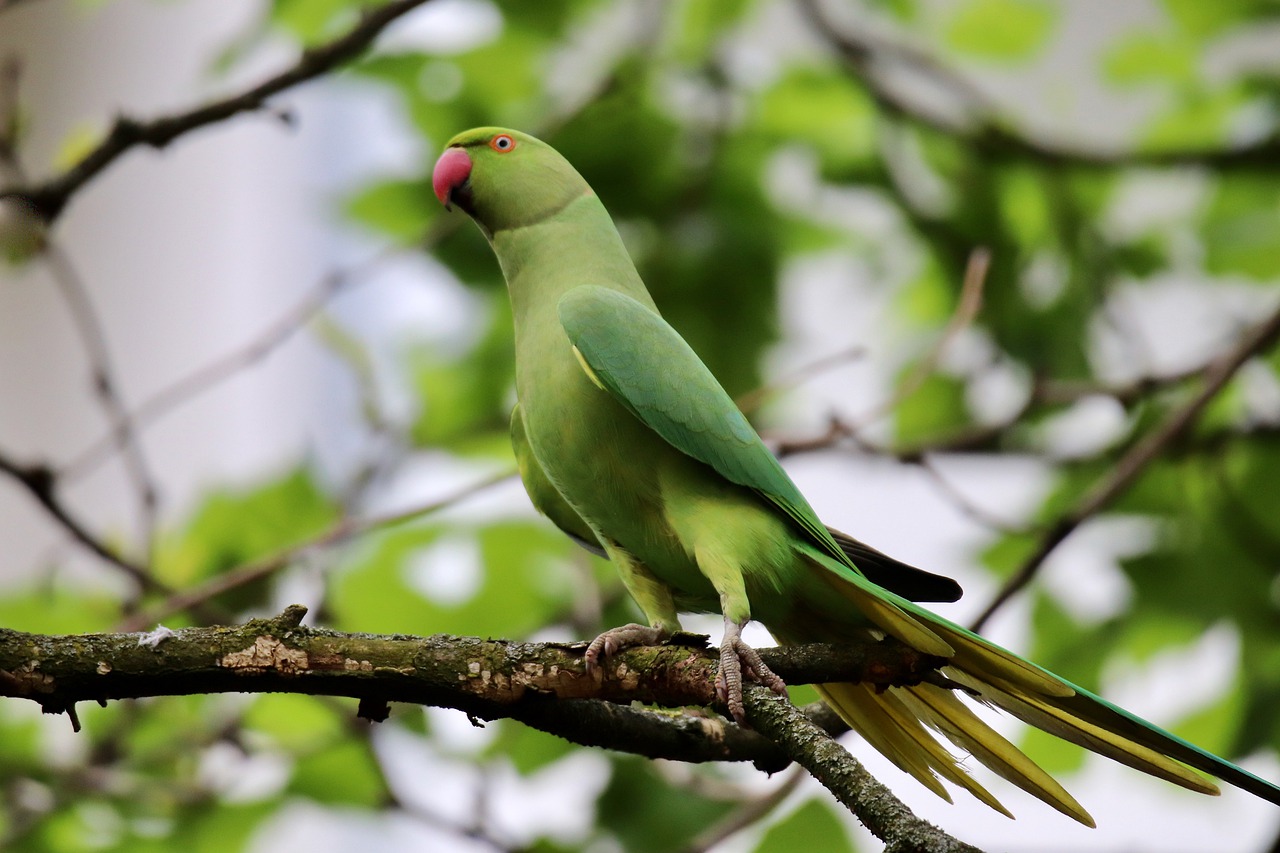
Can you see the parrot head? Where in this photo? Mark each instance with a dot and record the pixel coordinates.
(504, 178)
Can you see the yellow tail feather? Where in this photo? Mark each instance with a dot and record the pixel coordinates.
(889, 618)
(895, 731)
(942, 710)
(1060, 722)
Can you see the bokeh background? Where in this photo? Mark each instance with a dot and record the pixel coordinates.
(225, 348)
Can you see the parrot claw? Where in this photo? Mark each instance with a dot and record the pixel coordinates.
(616, 639)
(736, 657)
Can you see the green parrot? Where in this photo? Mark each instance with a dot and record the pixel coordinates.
(628, 443)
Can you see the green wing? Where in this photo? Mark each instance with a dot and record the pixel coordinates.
(648, 367)
(881, 569)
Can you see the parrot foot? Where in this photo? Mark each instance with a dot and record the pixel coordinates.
(737, 657)
(617, 639)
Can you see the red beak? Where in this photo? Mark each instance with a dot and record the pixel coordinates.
(451, 172)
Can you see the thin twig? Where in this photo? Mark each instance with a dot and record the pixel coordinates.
(748, 813)
(1140, 455)
(10, 75)
(6, 5)
(962, 317)
(41, 483)
(962, 502)
(51, 197)
(752, 400)
(123, 433)
(257, 570)
(230, 363)
(967, 306)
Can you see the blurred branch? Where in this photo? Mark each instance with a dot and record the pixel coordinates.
(49, 198)
(991, 437)
(123, 434)
(1062, 392)
(747, 814)
(967, 307)
(754, 399)
(476, 832)
(1142, 453)
(344, 530)
(983, 123)
(41, 483)
(92, 333)
(227, 365)
(10, 74)
(6, 5)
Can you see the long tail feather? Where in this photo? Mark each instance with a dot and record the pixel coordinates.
(886, 720)
(894, 721)
(946, 713)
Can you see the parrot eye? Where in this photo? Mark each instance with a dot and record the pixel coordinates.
(502, 143)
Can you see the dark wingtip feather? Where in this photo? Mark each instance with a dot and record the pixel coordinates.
(895, 575)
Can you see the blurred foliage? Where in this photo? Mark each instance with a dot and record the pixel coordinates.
(729, 141)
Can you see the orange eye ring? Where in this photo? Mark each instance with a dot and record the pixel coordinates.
(502, 143)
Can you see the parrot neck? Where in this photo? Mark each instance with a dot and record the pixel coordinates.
(542, 261)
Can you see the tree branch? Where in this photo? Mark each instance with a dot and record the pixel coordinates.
(887, 817)
(123, 434)
(5, 5)
(486, 678)
(342, 531)
(544, 685)
(40, 481)
(1140, 455)
(983, 124)
(48, 199)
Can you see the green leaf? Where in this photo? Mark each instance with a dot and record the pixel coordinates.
(23, 747)
(171, 723)
(1001, 30)
(528, 749)
(82, 139)
(1215, 726)
(522, 581)
(823, 108)
(85, 825)
(294, 722)
(236, 525)
(904, 10)
(1007, 553)
(937, 408)
(1142, 257)
(1026, 206)
(650, 815)
(466, 399)
(344, 773)
(202, 828)
(312, 21)
(60, 606)
(1144, 57)
(813, 828)
(702, 23)
(929, 298)
(1199, 119)
(1240, 227)
(1206, 20)
(401, 209)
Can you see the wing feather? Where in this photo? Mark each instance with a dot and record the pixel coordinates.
(648, 368)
